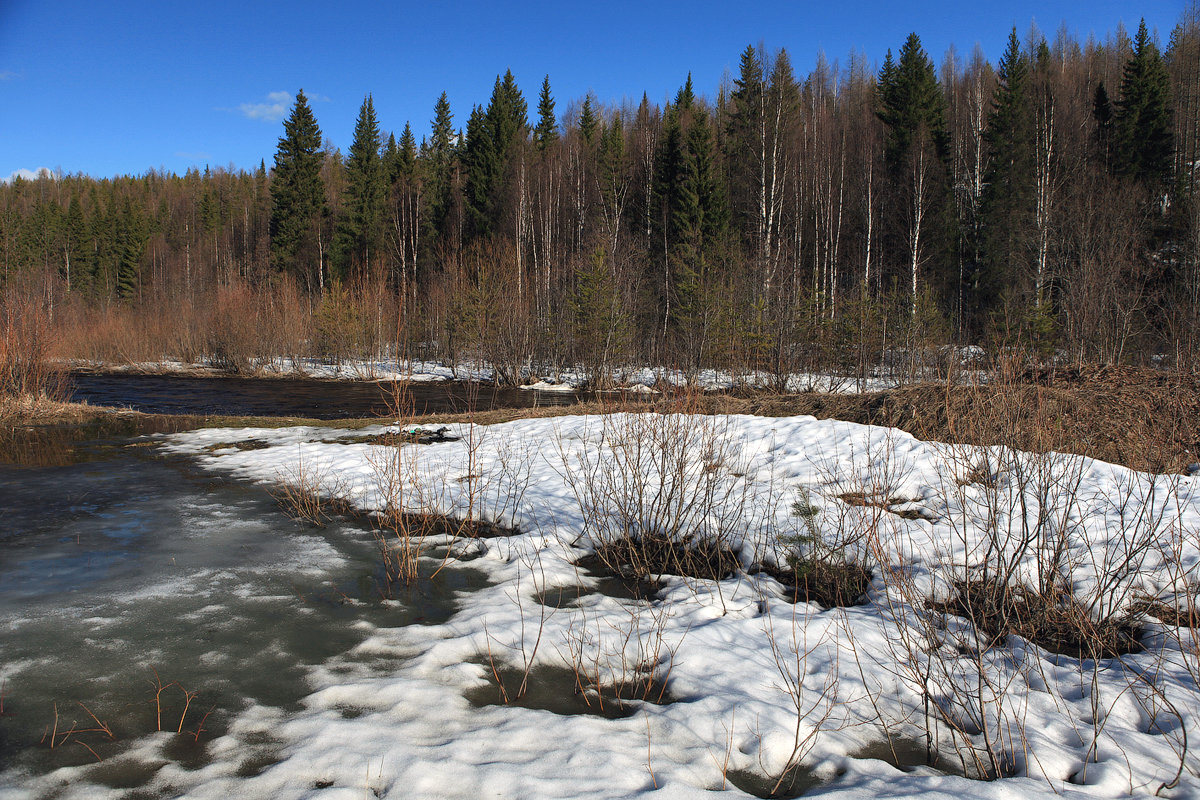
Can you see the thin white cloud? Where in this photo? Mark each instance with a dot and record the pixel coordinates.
(30, 174)
(273, 110)
(8, 75)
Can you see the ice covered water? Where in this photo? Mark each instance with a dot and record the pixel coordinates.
(144, 605)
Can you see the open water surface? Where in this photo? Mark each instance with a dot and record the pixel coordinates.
(296, 397)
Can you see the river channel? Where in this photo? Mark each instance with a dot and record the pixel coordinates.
(297, 397)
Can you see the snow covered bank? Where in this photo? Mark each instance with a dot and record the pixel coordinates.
(759, 684)
(566, 380)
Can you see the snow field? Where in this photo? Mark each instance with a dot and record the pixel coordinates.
(759, 684)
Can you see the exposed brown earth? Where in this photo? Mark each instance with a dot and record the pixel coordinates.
(1143, 418)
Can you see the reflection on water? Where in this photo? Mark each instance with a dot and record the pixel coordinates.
(138, 595)
(297, 397)
(62, 445)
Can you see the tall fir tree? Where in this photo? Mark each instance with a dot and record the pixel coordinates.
(589, 126)
(1008, 196)
(132, 233)
(916, 153)
(493, 138)
(406, 159)
(611, 163)
(481, 165)
(685, 98)
(1145, 139)
(700, 220)
(359, 243)
(440, 155)
(297, 195)
(911, 104)
(391, 160)
(745, 141)
(545, 134)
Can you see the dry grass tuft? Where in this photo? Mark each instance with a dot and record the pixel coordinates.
(1057, 623)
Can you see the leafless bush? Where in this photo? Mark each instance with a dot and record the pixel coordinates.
(234, 329)
(622, 663)
(812, 695)
(286, 326)
(340, 326)
(1045, 546)
(27, 377)
(408, 517)
(470, 498)
(523, 646)
(661, 494)
(310, 492)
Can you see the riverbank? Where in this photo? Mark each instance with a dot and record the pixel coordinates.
(1140, 418)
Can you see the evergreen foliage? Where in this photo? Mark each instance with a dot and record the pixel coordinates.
(916, 154)
(493, 137)
(440, 155)
(911, 105)
(745, 136)
(1145, 138)
(360, 229)
(546, 133)
(611, 162)
(1008, 201)
(588, 124)
(297, 193)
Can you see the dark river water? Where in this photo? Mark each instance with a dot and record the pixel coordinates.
(297, 397)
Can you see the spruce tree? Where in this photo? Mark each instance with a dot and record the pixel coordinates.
(669, 165)
(360, 229)
(916, 153)
(611, 158)
(482, 165)
(1145, 139)
(700, 219)
(406, 159)
(546, 132)
(911, 104)
(131, 235)
(391, 160)
(685, 98)
(507, 114)
(492, 142)
(745, 138)
(1007, 207)
(588, 124)
(297, 192)
(439, 157)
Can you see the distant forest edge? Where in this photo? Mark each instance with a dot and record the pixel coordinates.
(841, 221)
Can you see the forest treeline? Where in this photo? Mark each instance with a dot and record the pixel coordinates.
(845, 220)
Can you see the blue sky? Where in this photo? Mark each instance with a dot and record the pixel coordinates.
(108, 88)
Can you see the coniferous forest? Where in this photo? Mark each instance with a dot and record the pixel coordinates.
(868, 215)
